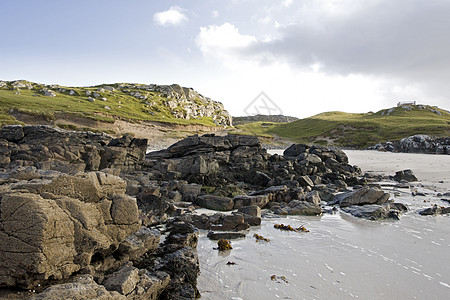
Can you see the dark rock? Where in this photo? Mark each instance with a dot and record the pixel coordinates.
(258, 178)
(362, 196)
(377, 212)
(225, 235)
(405, 175)
(242, 201)
(12, 133)
(252, 210)
(297, 207)
(295, 150)
(416, 144)
(215, 202)
(305, 181)
(154, 209)
(434, 210)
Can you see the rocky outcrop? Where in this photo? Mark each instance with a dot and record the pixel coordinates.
(60, 224)
(210, 159)
(164, 100)
(51, 148)
(217, 160)
(416, 144)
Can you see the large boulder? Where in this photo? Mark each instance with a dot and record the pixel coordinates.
(215, 202)
(405, 175)
(362, 196)
(377, 212)
(297, 207)
(51, 228)
(81, 287)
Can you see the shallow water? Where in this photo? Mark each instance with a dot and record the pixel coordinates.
(343, 257)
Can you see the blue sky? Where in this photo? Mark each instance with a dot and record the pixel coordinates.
(308, 56)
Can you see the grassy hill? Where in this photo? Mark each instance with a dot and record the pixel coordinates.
(358, 130)
(107, 103)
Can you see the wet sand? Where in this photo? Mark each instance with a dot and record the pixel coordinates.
(343, 257)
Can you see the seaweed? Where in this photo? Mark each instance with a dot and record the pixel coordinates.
(224, 245)
(290, 228)
(278, 278)
(260, 238)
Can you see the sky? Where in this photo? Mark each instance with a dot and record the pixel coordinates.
(295, 57)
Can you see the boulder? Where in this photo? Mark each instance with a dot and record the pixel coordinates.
(305, 181)
(295, 150)
(377, 212)
(81, 287)
(434, 210)
(123, 281)
(362, 196)
(12, 133)
(62, 230)
(142, 241)
(297, 207)
(225, 235)
(252, 210)
(242, 201)
(405, 175)
(313, 197)
(154, 209)
(215, 202)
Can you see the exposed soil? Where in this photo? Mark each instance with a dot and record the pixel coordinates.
(159, 134)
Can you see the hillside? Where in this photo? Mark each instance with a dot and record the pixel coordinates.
(263, 118)
(138, 102)
(358, 130)
(157, 112)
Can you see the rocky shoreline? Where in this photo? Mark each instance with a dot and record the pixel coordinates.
(416, 144)
(85, 215)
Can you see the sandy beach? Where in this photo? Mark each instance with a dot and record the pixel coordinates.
(343, 257)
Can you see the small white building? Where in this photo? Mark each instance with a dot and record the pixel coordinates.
(406, 103)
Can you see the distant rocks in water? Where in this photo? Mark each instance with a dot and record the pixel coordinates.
(416, 144)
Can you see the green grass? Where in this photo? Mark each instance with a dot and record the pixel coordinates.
(356, 130)
(122, 105)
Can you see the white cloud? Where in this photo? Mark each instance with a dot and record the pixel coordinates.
(265, 20)
(172, 17)
(223, 42)
(287, 3)
(298, 90)
(215, 14)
